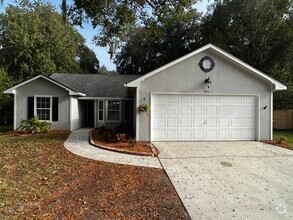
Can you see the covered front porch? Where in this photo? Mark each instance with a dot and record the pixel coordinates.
(98, 112)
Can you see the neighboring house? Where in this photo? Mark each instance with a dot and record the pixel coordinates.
(205, 95)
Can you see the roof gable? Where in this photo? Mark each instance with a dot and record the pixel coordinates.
(70, 90)
(217, 50)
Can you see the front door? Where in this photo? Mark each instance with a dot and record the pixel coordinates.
(90, 113)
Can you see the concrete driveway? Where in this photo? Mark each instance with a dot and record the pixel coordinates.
(231, 180)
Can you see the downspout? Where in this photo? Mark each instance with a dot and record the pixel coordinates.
(70, 113)
(14, 110)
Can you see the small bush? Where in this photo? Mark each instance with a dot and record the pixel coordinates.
(102, 129)
(121, 137)
(281, 140)
(131, 141)
(33, 125)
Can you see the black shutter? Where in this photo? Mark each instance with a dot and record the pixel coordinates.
(30, 107)
(55, 109)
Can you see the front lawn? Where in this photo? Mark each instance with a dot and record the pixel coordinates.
(285, 134)
(5, 128)
(40, 179)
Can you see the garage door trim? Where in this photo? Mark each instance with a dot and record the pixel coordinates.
(257, 112)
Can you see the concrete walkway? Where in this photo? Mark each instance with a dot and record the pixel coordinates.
(231, 180)
(78, 143)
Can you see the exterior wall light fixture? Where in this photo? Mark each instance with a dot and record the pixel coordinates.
(208, 82)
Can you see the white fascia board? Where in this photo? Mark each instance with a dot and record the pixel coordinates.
(278, 85)
(75, 93)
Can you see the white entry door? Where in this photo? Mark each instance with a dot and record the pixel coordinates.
(202, 117)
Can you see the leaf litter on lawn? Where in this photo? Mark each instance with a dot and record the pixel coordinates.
(40, 179)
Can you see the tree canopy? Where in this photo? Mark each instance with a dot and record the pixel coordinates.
(158, 43)
(114, 17)
(260, 32)
(35, 40)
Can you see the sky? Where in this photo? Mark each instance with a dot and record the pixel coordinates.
(88, 32)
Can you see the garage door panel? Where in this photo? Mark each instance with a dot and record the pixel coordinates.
(197, 123)
(186, 110)
(172, 122)
(224, 110)
(236, 123)
(185, 135)
(159, 122)
(203, 117)
(223, 123)
(248, 111)
(173, 99)
(211, 99)
(236, 110)
(198, 135)
(248, 100)
(158, 135)
(224, 99)
(159, 111)
(223, 135)
(211, 135)
(199, 99)
(172, 135)
(211, 123)
(210, 111)
(248, 122)
(248, 134)
(198, 111)
(186, 99)
(185, 123)
(172, 111)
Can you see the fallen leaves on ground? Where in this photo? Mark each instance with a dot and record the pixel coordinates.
(40, 179)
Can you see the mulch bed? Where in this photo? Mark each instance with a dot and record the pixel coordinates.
(138, 146)
(283, 145)
(40, 179)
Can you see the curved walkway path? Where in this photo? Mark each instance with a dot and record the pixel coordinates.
(78, 143)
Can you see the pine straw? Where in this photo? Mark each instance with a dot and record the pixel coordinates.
(40, 179)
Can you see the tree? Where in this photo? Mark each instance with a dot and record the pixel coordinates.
(114, 17)
(35, 40)
(87, 59)
(154, 45)
(258, 32)
(6, 101)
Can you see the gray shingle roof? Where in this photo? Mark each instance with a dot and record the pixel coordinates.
(96, 85)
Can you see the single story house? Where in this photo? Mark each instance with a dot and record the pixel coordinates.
(207, 94)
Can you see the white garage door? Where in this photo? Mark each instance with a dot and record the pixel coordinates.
(203, 117)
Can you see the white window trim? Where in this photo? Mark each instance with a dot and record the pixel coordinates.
(51, 105)
(103, 110)
(107, 105)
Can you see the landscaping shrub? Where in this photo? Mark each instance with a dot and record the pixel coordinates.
(33, 125)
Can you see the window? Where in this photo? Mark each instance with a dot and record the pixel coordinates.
(113, 110)
(43, 107)
(101, 110)
(126, 110)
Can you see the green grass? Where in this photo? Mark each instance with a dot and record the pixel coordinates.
(5, 128)
(287, 135)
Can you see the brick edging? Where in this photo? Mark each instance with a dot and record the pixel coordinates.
(154, 154)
